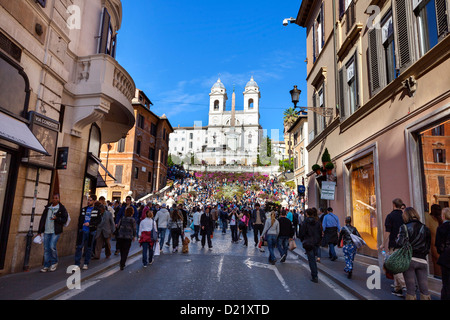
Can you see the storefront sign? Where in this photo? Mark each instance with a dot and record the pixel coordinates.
(46, 131)
(328, 190)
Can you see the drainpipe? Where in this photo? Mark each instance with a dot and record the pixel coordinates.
(336, 77)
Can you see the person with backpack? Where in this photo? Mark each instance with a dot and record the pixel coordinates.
(51, 225)
(349, 248)
(310, 234)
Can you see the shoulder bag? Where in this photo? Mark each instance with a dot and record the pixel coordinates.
(399, 261)
(357, 241)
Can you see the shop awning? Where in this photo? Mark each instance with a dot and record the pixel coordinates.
(101, 165)
(17, 132)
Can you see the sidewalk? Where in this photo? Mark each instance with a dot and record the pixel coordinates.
(35, 285)
(357, 285)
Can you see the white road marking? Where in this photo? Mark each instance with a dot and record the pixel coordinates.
(84, 285)
(219, 273)
(274, 268)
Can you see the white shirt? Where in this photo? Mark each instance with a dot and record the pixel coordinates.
(147, 225)
(162, 218)
(196, 218)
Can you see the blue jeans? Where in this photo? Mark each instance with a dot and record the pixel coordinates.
(50, 253)
(271, 244)
(162, 236)
(147, 248)
(331, 251)
(85, 244)
(224, 226)
(312, 262)
(283, 245)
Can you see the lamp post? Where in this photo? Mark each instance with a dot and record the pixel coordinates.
(295, 97)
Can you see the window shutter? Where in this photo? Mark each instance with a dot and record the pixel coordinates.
(356, 77)
(341, 8)
(322, 23)
(314, 41)
(441, 15)
(341, 93)
(104, 32)
(403, 33)
(314, 115)
(118, 173)
(373, 59)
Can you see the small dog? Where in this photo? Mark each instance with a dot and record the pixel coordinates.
(185, 248)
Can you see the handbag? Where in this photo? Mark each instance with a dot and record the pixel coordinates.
(399, 261)
(154, 233)
(357, 241)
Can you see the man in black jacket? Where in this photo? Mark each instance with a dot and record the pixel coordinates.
(88, 221)
(285, 235)
(392, 226)
(258, 219)
(51, 225)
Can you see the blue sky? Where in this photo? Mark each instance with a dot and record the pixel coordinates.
(176, 49)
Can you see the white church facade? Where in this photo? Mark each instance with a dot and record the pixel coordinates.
(231, 136)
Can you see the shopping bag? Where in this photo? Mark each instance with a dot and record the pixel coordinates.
(292, 245)
(156, 249)
(38, 239)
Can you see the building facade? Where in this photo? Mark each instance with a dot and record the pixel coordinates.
(299, 133)
(59, 81)
(382, 68)
(136, 165)
(230, 137)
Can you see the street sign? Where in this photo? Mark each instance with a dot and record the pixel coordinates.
(328, 190)
(301, 189)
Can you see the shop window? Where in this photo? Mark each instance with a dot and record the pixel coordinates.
(363, 201)
(433, 146)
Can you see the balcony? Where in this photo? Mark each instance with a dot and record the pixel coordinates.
(102, 91)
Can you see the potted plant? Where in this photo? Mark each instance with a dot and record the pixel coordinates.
(329, 167)
(316, 168)
(326, 158)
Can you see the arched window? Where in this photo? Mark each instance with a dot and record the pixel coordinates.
(216, 105)
(95, 140)
(250, 103)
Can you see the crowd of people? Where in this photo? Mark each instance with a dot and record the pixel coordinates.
(203, 207)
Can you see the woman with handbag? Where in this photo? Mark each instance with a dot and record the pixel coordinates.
(271, 229)
(148, 235)
(419, 237)
(310, 234)
(349, 247)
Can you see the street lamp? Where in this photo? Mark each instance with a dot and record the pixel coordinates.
(295, 96)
